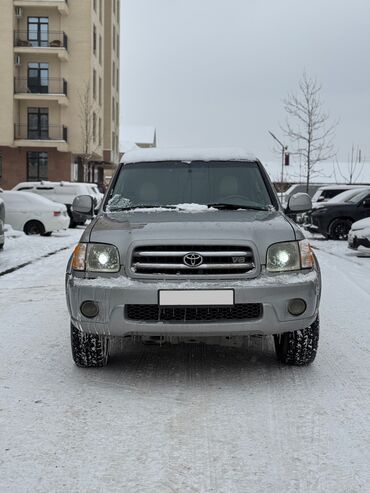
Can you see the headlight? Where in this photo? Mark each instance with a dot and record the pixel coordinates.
(288, 256)
(96, 257)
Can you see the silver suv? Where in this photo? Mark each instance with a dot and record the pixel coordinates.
(192, 244)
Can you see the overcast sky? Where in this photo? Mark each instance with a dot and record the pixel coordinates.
(215, 72)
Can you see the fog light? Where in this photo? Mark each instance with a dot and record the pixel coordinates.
(89, 309)
(297, 307)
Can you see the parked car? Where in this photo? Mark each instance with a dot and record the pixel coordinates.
(298, 188)
(2, 221)
(359, 234)
(334, 218)
(63, 192)
(192, 243)
(324, 194)
(34, 214)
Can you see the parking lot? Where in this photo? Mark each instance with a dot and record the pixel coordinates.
(188, 418)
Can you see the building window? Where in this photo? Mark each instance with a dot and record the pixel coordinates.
(38, 124)
(94, 40)
(114, 38)
(114, 6)
(113, 74)
(117, 113)
(101, 10)
(94, 3)
(94, 84)
(1, 166)
(117, 79)
(94, 127)
(100, 131)
(113, 140)
(100, 91)
(118, 9)
(38, 78)
(117, 44)
(100, 50)
(37, 166)
(38, 31)
(113, 109)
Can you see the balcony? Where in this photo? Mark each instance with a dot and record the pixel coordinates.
(49, 136)
(50, 89)
(51, 42)
(61, 5)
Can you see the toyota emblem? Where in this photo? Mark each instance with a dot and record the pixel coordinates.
(193, 259)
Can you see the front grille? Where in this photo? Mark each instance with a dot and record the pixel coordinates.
(155, 313)
(215, 260)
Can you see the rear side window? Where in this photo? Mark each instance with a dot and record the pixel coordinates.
(25, 188)
(329, 194)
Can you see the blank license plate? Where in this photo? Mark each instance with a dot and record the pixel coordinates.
(199, 297)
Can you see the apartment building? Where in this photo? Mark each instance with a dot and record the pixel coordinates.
(59, 89)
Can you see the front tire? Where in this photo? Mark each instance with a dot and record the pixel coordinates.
(89, 350)
(298, 348)
(339, 229)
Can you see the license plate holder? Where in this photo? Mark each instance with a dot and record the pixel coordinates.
(196, 297)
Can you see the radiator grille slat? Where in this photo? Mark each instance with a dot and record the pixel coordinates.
(170, 260)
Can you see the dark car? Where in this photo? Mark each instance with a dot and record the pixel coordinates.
(334, 219)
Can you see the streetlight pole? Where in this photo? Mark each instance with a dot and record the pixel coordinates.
(283, 151)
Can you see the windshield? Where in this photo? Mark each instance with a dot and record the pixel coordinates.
(206, 183)
(349, 196)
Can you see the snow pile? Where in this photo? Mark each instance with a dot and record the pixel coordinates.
(12, 233)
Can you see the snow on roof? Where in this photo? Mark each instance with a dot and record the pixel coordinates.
(178, 154)
(139, 134)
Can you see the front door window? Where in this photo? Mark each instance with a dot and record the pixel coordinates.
(38, 123)
(38, 31)
(38, 78)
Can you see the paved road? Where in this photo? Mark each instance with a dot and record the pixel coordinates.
(186, 418)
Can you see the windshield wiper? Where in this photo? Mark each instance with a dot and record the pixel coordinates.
(140, 206)
(234, 207)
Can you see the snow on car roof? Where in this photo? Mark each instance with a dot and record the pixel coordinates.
(178, 154)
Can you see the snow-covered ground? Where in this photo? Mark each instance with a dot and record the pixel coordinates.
(20, 249)
(183, 418)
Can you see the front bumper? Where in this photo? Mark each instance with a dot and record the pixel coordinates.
(272, 291)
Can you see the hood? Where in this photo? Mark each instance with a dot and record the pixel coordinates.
(122, 229)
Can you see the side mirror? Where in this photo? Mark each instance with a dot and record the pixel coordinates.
(366, 202)
(299, 202)
(84, 204)
(320, 199)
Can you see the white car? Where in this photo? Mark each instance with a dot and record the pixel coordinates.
(327, 193)
(2, 222)
(63, 192)
(34, 214)
(359, 234)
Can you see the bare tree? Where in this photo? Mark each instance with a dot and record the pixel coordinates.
(87, 127)
(307, 126)
(355, 165)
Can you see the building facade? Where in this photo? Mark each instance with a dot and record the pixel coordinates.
(59, 89)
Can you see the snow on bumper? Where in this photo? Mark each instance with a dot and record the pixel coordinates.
(273, 292)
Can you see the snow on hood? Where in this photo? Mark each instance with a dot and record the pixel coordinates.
(178, 154)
